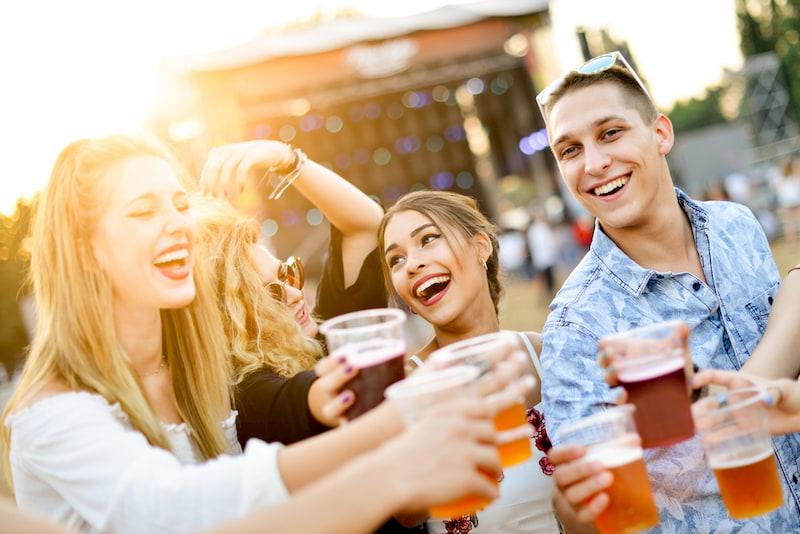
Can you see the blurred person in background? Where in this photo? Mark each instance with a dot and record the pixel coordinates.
(545, 251)
(514, 256)
(788, 193)
(737, 187)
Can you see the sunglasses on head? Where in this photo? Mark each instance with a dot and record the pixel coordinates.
(594, 65)
(289, 272)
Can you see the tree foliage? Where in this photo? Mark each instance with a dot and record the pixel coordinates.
(773, 25)
(697, 113)
(14, 261)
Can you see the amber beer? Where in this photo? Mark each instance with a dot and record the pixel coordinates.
(749, 486)
(416, 394)
(479, 351)
(631, 507)
(465, 505)
(732, 426)
(518, 451)
(611, 439)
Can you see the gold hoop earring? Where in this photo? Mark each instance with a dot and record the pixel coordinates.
(485, 267)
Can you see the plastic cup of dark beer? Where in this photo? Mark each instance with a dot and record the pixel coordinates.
(416, 394)
(373, 341)
(650, 362)
(610, 438)
(733, 428)
(485, 352)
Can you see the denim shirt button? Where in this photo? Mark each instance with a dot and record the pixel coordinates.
(696, 286)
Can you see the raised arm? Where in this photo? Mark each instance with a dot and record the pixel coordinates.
(235, 168)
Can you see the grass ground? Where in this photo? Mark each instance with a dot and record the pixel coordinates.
(525, 307)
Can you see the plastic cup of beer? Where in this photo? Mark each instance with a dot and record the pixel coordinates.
(416, 394)
(483, 351)
(733, 428)
(650, 363)
(374, 342)
(610, 438)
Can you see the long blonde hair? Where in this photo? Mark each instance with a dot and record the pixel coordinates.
(261, 332)
(76, 342)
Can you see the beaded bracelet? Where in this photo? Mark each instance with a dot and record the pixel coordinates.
(279, 178)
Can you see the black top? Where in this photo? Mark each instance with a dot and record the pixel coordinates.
(274, 408)
(366, 293)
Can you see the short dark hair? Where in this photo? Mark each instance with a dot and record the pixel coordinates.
(616, 75)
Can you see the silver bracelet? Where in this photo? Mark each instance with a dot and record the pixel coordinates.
(279, 180)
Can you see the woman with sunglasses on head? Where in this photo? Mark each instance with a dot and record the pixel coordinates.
(122, 421)
(440, 256)
(351, 278)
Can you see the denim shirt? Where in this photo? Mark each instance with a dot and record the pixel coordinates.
(608, 292)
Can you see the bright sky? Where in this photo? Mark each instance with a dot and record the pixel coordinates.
(84, 68)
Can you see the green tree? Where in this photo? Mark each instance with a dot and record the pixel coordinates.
(774, 25)
(699, 112)
(14, 261)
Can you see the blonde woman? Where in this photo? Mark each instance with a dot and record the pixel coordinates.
(122, 421)
(277, 392)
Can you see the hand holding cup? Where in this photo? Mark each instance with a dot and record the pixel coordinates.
(781, 399)
(610, 439)
(373, 343)
(651, 364)
(732, 427)
(488, 353)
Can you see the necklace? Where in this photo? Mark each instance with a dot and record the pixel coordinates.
(160, 367)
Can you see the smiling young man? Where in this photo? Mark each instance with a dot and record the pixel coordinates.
(656, 255)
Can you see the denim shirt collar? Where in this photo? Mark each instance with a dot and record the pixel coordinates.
(631, 276)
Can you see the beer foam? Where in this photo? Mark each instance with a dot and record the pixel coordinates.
(651, 367)
(725, 463)
(364, 354)
(611, 455)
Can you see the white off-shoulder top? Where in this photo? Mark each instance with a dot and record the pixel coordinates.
(76, 459)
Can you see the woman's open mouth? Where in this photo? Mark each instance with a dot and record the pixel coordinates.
(174, 263)
(432, 289)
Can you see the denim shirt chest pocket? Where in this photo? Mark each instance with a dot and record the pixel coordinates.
(759, 309)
